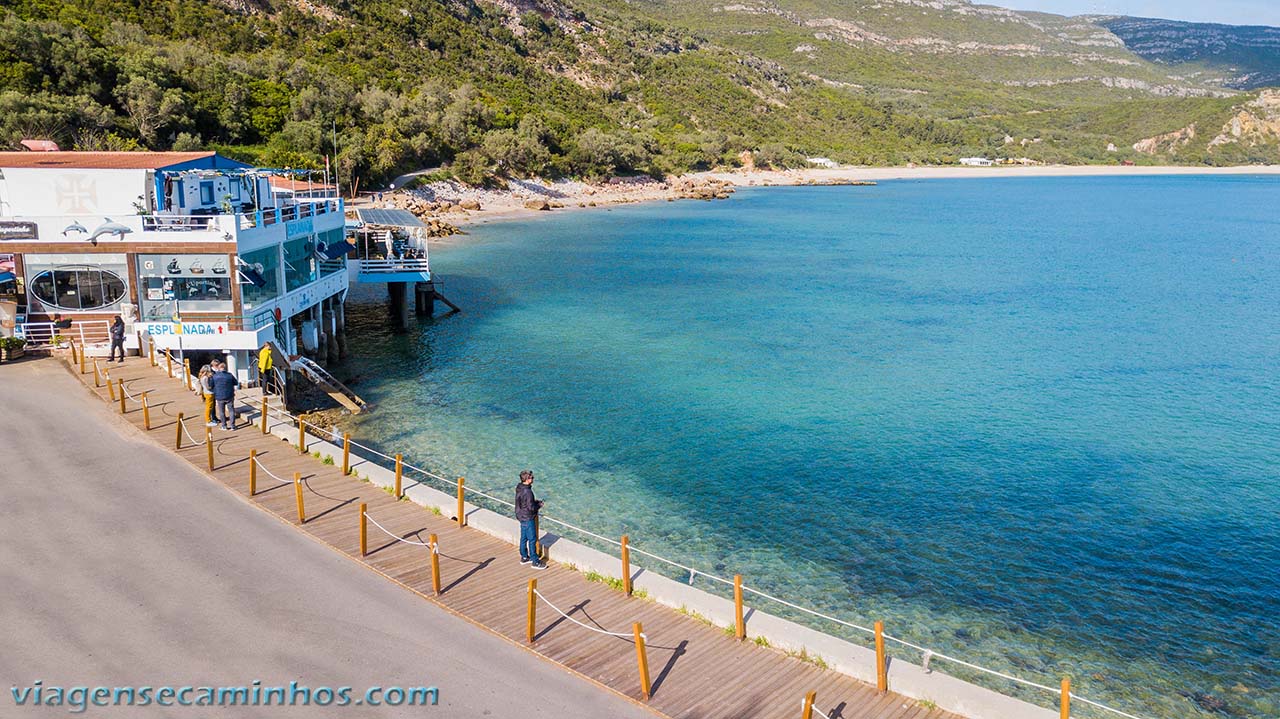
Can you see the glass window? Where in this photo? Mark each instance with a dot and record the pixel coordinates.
(187, 283)
(206, 193)
(263, 265)
(333, 238)
(299, 263)
(78, 288)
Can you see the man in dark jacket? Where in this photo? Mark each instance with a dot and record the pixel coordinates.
(224, 386)
(117, 339)
(527, 507)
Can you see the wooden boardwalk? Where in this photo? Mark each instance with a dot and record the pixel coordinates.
(697, 670)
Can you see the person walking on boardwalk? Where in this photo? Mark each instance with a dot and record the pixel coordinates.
(117, 339)
(265, 365)
(206, 393)
(527, 507)
(224, 395)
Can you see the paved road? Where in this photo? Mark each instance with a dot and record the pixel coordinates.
(122, 565)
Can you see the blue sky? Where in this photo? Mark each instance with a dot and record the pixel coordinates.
(1233, 12)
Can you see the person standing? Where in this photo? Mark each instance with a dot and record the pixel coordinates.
(224, 395)
(527, 508)
(206, 393)
(265, 365)
(117, 339)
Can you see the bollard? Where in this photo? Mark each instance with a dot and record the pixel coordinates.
(97, 377)
(253, 472)
(626, 566)
(168, 362)
(178, 426)
(807, 711)
(435, 563)
(537, 538)
(533, 609)
(186, 371)
(399, 474)
(364, 531)
(151, 350)
(302, 437)
(642, 658)
(146, 413)
(739, 626)
(264, 414)
(111, 387)
(462, 493)
(121, 395)
(1065, 702)
(297, 487)
(82, 368)
(882, 670)
(72, 345)
(346, 453)
(208, 445)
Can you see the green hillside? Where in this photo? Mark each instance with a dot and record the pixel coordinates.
(584, 87)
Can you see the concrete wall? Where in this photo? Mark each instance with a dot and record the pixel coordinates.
(856, 661)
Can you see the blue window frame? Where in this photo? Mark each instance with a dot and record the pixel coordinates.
(206, 193)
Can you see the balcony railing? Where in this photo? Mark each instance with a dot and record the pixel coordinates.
(369, 267)
(302, 210)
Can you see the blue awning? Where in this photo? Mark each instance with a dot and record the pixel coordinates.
(7, 277)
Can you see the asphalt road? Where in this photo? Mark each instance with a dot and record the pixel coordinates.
(120, 565)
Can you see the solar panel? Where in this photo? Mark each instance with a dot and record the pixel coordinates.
(388, 218)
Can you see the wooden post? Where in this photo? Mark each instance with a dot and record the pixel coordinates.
(178, 426)
(253, 472)
(533, 609)
(1065, 702)
(82, 363)
(882, 670)
(642, 658)
(97, 377)
(302, 437)
(435, 563)
(739, 625)
(364, 531)
(151, 349)
(807, 711)
(264, 414)
(208, 445)
(626, 566)
(186, 371)
(146, 413)
(168, 362)
(462, 515)
(297, 490)
(72, 344)
(346, 453)
(121, 381)
(537, 538)
(111, 387)
(399, 474)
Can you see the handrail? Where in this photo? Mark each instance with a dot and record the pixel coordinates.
(928, 654)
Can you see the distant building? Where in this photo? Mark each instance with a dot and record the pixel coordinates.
(976, 162)
(826, 162)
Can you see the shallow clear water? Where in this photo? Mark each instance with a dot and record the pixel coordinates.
(1031, 423)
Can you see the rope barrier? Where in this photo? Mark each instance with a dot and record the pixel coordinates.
(428, 545)
(272, 475)
(183, 424)
(627, 635)
(693, 572)
(125, 387)
(815, 710)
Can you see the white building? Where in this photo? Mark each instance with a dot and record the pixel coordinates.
(976, 162)
(155, 236)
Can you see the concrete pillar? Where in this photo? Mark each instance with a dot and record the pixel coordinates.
(330, 333)
(398, 292)
(340, 327)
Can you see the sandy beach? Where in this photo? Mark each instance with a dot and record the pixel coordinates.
(455, 203)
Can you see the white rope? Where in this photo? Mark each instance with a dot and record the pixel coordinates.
(815, 709)
(428, 545)
(936, 655)
(629, 635)
(128, 394)
(1102, 706)
(799, 608)
(183, 424)
(272, 475)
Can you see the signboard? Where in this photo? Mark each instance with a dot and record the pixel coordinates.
(297, 228)
(186, 329)
(10, 230)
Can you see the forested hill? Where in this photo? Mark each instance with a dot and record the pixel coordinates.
(493, 88)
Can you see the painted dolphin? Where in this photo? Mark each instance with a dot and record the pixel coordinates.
(74, 227)
(109, 228)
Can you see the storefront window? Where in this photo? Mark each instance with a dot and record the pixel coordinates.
(172, 284)
(259, 277)
(299, 263)
(333, 241)
(78, 288)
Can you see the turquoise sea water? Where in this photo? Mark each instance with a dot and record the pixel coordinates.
(1034, 424)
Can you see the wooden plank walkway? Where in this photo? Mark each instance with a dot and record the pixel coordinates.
(696, 670)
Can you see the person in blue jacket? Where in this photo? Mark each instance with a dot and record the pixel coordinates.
(224, 386)
(527, 508)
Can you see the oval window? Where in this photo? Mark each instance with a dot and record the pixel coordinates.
(78, 288)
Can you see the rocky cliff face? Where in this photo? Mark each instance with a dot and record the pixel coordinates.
(1241, 57)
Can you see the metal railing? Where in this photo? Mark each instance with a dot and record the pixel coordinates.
(41, 334)
(301, 210)
(391, 266)
(179, 223)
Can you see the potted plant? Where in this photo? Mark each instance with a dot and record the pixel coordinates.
(11, 347)
(58, 341)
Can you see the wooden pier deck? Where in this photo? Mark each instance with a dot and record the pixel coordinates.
(697, 670)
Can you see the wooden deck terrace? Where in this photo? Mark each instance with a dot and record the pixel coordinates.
(696, 670)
